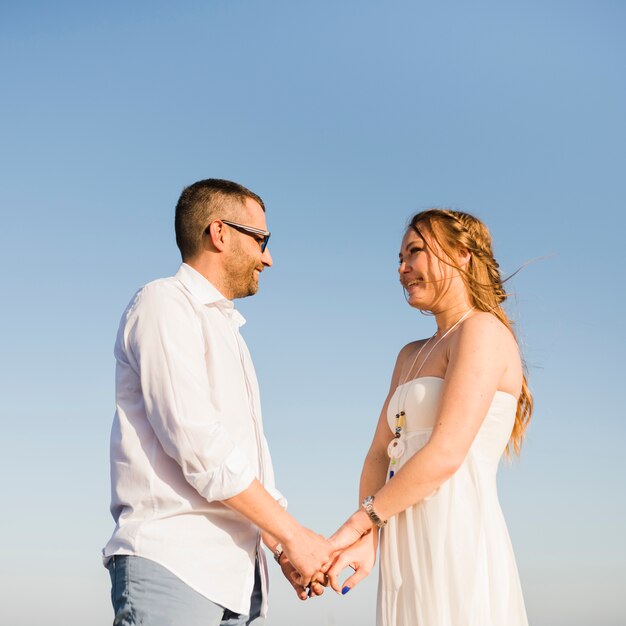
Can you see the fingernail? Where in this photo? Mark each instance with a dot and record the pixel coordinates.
(345, 590)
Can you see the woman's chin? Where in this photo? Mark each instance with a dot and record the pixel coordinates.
(416, 302)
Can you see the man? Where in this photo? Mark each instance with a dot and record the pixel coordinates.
(192, 480)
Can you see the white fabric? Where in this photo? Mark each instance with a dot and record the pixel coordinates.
(448, 560)
(187, 434)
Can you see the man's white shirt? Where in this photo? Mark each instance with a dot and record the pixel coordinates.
(187, 434)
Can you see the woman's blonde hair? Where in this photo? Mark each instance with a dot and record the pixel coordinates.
(452, 230)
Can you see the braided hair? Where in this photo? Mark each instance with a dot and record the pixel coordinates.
(452, 230)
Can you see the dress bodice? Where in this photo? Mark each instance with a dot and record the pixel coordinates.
(420, 399)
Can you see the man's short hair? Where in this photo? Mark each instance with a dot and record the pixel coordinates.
(200, 204)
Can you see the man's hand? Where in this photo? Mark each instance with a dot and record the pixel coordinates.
(310, 554)
(291, 574)
(316, 586)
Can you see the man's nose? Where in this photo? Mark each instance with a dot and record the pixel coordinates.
(266, 258)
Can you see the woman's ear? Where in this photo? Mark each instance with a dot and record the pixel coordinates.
(463, 257)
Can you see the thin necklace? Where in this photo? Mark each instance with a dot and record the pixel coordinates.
(396, 446)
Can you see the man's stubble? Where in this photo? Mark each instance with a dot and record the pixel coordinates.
(240, 275)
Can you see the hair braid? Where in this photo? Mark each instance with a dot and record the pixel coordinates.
(484, 272)
(453, 230)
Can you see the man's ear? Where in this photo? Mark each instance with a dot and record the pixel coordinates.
(216, 235)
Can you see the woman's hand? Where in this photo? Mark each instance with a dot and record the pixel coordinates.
(360, 556)
(357, 525)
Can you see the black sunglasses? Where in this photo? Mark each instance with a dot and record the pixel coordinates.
(249, 230)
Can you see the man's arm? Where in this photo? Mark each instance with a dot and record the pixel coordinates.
(306, 550)
(164, 344)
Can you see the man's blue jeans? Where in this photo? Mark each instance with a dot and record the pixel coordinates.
(145, 593)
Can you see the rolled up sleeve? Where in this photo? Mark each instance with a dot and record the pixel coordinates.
(166, 347)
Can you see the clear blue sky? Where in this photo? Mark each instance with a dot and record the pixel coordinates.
(345, 117)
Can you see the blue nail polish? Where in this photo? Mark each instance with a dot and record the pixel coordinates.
(345, 590)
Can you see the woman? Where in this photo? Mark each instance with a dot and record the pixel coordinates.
(457, 402)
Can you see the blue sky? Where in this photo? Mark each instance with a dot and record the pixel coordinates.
(346, 118)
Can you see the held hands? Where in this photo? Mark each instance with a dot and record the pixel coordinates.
(307, 556)
(315, 586)
(309, 561)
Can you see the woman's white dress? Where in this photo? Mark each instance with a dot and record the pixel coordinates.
(448, 560)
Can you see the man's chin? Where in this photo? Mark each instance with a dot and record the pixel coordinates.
(251, 289)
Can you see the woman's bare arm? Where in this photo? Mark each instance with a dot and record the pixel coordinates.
(481, 354)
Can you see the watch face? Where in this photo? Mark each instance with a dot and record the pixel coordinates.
(367, 504)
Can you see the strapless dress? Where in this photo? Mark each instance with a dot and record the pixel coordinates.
(448, 560)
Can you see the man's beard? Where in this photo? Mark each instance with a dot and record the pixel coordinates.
(240, 276)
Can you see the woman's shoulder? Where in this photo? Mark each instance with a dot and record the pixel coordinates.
(408, 352)
(411, 347)
(483, 322)
(405, 357)
(485, 329)
(484, 336)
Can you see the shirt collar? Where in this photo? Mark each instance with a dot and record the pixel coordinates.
(206, 293)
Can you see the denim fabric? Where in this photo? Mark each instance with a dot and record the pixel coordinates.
(144, 593)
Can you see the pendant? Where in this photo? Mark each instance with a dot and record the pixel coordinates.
(396, 448)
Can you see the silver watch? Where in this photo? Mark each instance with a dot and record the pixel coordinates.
(368, 505)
